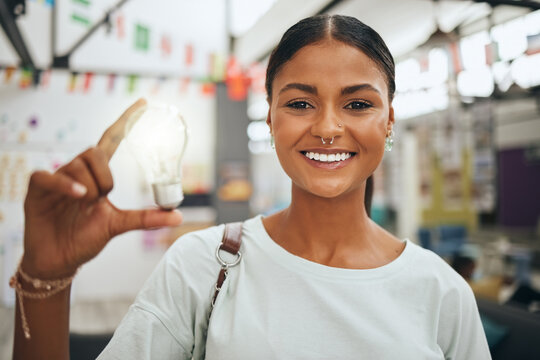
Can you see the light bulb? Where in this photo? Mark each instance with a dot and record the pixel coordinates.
(156, 135)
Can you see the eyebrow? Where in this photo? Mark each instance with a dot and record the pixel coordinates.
(303, 87)
(344, 91)
(354, 88)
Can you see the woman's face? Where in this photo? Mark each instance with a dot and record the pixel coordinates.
(330, 90)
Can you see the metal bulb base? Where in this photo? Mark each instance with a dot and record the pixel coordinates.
(168, 196)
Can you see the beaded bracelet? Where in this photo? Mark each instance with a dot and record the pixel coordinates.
(50, 287)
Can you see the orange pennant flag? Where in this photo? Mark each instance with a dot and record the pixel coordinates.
(72, 82)
(10, 70)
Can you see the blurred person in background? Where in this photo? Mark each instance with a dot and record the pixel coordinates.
(318, 280)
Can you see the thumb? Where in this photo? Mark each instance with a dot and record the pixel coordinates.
(127, 220)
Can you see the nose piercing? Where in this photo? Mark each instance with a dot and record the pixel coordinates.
(331, 141)
(339, 125)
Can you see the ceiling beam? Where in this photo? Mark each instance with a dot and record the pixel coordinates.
(533, 5)
(7, 19)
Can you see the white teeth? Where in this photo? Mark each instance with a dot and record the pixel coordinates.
(327, 157)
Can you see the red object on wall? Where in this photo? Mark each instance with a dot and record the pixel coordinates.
(236, 80)
(208, 89)
(87, 81)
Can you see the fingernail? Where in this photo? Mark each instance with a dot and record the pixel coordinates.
(79, 189)
(178, 214)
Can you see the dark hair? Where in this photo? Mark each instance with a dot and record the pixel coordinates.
(346, 29)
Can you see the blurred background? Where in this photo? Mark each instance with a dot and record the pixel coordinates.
(462, 180)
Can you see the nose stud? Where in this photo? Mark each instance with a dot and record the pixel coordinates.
(324, 142)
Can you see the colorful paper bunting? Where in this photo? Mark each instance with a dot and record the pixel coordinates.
(110, 82)
(188, 56)
(26, 78)
(87, 81)
(142, 37)
(132, 83)
(72, 85)
(166, 46)
(10, 70)
(120, 30)
(208, 89)
(236, 81)
(45, 78)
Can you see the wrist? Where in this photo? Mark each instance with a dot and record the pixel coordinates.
(36, 269)
(35, 288)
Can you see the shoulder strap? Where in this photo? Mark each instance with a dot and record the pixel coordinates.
(232, 239)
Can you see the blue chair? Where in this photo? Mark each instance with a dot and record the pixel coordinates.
(451, 239)
(424, 237)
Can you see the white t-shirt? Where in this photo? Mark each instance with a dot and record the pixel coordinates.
(275, 305)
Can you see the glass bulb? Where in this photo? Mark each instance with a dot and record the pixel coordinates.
(156, 135)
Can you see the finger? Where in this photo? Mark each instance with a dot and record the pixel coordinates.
(43, 181)
(127, 220)
(115, 133)
(97, 162)
(78, 170)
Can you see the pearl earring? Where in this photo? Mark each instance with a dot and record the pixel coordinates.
(389, 142)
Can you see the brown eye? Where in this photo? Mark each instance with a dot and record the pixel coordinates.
(358, 105)
(299, 105)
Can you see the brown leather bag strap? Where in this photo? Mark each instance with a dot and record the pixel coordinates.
(231, 242)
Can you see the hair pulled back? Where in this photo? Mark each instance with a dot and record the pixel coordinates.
(346, 29)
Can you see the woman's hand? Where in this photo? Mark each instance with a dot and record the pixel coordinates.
(68, 217)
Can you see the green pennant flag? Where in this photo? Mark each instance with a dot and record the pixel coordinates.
(142, 37)
(132, 83)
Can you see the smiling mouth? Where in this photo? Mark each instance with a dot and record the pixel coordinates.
(327, 158)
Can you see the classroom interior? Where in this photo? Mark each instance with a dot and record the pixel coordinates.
(462, 179)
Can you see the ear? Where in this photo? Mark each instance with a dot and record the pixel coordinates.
(269, 121)
(391, 120)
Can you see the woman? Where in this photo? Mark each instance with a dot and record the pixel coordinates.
(318, 280)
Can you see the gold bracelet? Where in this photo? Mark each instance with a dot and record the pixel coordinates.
(51, 287)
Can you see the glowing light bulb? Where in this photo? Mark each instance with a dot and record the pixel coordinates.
(157, 136)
